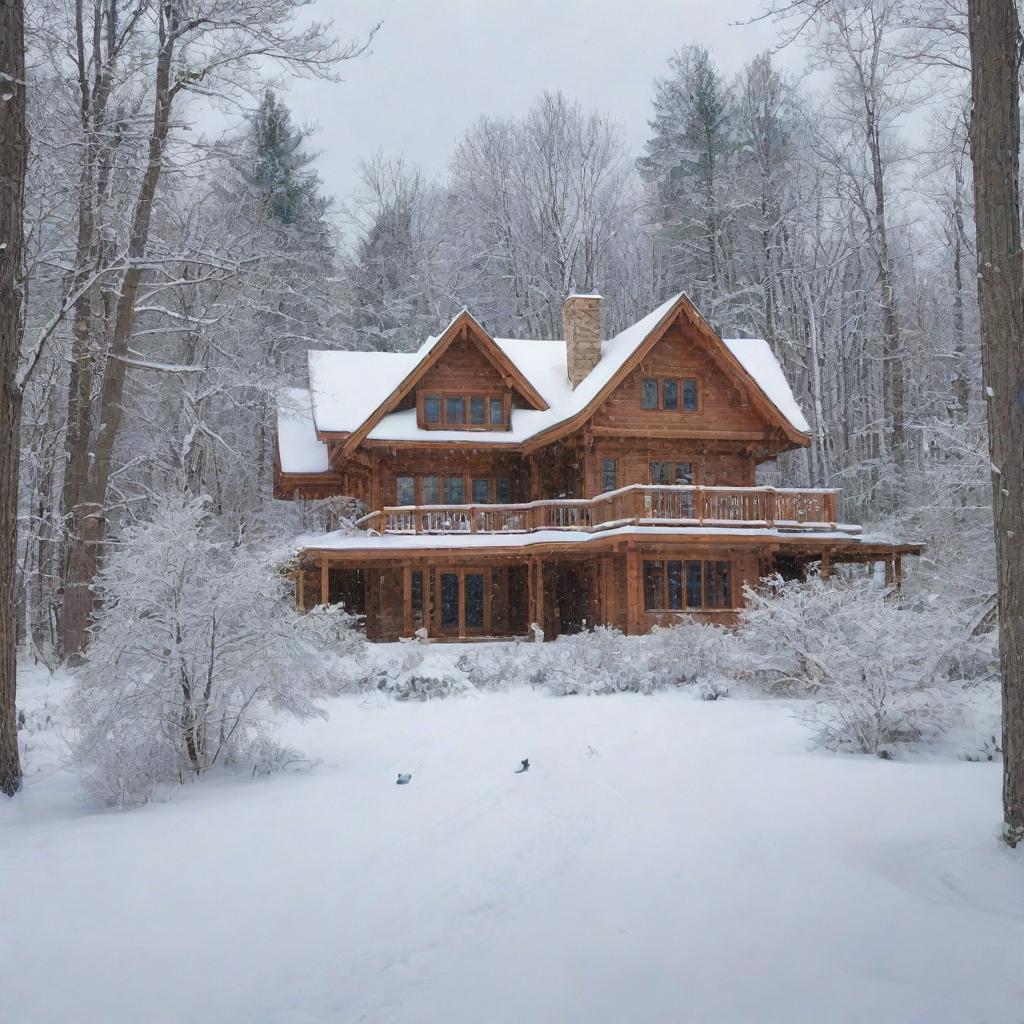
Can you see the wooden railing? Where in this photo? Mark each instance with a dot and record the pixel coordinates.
(639, 504)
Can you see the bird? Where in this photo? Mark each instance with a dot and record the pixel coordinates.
(526, 766)
(404, 778)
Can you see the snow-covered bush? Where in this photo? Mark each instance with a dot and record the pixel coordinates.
(879, 672)
(410, 676)
(196, 649)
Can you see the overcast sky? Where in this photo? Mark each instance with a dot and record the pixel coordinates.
(437, 65)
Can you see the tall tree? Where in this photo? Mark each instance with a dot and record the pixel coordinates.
(995, 153)
(13, 161)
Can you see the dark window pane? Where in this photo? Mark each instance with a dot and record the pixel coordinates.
(416, 597)
(481, 491)
(431, 490)
(690, 395)
(650, 393)
(406, 490)
(503, 491)
(693, 585)
(449, 599)
(432, 409)
(454, 490)
(455, 410)
(661, 472)
(608, 475)
(477, 407)
(684, 473)
(654, 583)
(675, 584)
(719, 584)
(475, 600)
(497, 412)
(670, 394)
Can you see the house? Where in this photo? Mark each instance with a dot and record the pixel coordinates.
(514, 484)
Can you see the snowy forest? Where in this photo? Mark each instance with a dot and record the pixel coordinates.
(182, 251)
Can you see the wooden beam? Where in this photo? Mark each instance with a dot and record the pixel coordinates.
(325, 581)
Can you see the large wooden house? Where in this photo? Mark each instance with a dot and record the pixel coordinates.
(516, 485)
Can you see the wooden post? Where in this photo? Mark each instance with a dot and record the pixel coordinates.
(300, 589)
(540, 594)
(632, 575)
(531, 593)
(826, 565)
(898, 567)
(890, 576)
(325, 581)
(769, 506)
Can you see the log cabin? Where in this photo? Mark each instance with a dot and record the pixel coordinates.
(539, 487)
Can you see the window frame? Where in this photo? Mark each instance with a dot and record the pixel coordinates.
(680, 383)
(715, 582)
(488, 396)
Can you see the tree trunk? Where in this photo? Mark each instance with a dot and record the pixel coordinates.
(995, 153)
(88, 525)
(13, 155)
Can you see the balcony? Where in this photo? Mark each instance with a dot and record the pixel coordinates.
(773, 508)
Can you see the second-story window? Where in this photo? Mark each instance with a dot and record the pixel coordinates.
(672, 473)
(463, 411)
(454, 411)
(664, 393)
(431, 490)
(406, 490)
(454, 490)
(609, 475)
(481, 491)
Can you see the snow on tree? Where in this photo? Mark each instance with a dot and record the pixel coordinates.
(196, 651)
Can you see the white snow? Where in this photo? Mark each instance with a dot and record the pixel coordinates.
(348, 386)
(758, 359)
(664, 860)
(367, 541)
(297, 444)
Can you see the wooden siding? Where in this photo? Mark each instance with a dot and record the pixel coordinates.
(724, 407)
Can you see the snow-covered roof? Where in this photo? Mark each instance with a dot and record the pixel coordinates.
(342, 541)
(759, 361)
(347, 388)
(299, 449)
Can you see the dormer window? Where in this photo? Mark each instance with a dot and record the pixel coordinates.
(669, 394)
(463, 411)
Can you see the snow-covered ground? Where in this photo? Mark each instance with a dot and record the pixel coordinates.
(664, 860)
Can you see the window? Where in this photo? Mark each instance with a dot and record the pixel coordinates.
(694, 586)
(481, 491)
(455, 410)
(474, 600)
(701, 584)
(663, 393)
(719, 585)
(416, 597)
(463, 411)
(449, 600)
(503, 491)
(406, 490)
(431, 490)
(609, 475)
(454, 490)
(679, 473)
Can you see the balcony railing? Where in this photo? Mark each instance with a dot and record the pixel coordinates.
(637, 505)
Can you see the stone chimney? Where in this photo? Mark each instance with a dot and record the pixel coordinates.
(581, 315)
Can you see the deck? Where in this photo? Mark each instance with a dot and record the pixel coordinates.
(778, 508)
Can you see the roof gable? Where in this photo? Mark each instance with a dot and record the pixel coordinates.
(464, 326)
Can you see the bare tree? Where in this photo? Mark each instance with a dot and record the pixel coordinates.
(995, 153)
(13, 161)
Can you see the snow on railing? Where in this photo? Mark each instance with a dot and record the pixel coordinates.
(638, 504)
